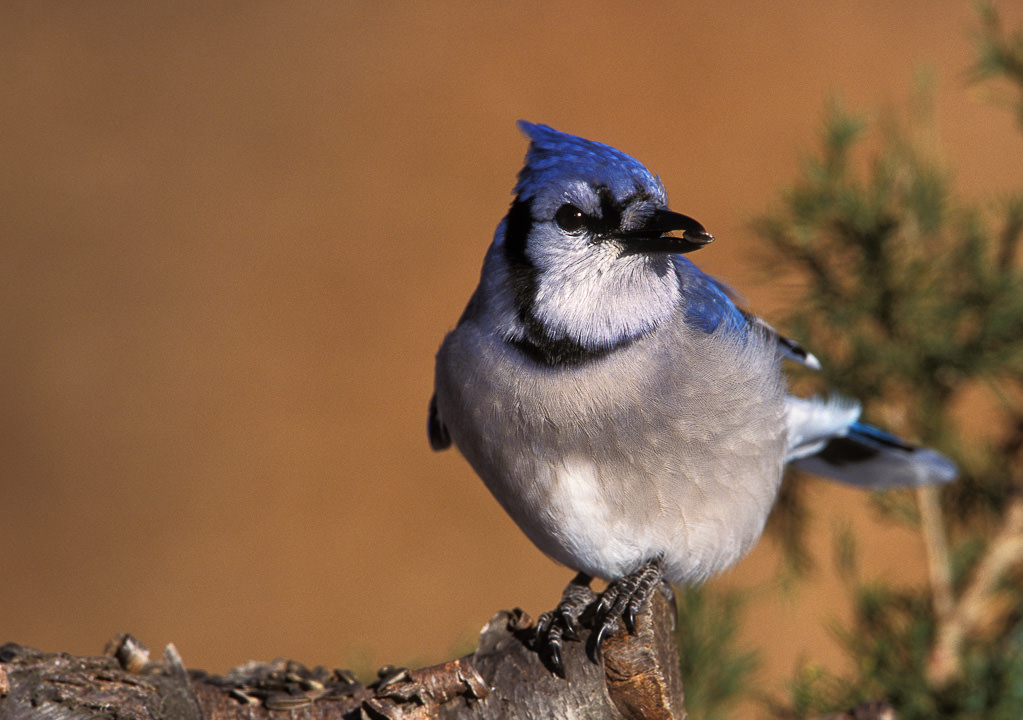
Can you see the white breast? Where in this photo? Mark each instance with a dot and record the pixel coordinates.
(673, 448)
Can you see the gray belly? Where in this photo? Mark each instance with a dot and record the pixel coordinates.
(632, 456)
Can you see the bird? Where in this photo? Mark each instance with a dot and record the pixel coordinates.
(621, 405)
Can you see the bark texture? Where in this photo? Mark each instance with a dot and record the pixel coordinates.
(637, 677)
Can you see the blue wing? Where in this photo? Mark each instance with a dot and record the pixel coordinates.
(825, 435)
(711, 303)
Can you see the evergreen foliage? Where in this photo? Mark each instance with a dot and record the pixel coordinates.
(716, 675)
(912, 297)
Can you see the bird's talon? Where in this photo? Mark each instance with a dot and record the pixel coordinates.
(571, 631)
(623, 599)
(629, 616)
(562, 623)
(555, 657)
(593, 647)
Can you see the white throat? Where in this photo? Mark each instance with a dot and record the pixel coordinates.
(600, 299)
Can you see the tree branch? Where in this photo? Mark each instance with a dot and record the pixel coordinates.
(979, 602)
(504, 679)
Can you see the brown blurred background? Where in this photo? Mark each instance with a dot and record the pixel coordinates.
(234, 233)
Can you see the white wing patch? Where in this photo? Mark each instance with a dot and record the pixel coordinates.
(812, 422)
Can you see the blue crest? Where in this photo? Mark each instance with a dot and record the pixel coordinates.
(556, 158)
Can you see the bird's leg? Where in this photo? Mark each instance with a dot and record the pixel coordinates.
(623, 599)
(562, 622)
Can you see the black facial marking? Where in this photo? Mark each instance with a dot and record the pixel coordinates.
(609, 225)
(517, 225)
(610, 220)
(561, 352)
(523, 273)
(573, 220)
(537, 345)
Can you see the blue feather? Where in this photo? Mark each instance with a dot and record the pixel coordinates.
(708, 304)
(556, 158)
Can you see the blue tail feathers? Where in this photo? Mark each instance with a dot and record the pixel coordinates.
(870, 458)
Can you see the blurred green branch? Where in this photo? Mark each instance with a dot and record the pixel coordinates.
(716, 675)
(999, 53)
(913, 299)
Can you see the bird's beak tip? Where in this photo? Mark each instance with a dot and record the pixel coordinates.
(698, 237)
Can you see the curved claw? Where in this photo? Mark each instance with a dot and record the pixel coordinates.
(549, 634)
(650, 576)
(555, 658)
(543, 625)
(623, 598)
(629, 616)
(561, 623)
(596, 640)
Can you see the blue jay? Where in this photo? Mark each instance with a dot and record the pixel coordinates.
(629, 416)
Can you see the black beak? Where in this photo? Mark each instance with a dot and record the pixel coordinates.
(652, 237)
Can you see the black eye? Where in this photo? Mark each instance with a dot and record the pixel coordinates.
(570, 218)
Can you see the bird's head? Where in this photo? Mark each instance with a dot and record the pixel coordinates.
(583, 193)
(588, 240)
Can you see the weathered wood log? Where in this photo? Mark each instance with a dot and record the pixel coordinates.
(638, 677)
(503, 678)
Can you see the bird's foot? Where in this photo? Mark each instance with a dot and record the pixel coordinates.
(562, 623)
(623, 599)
